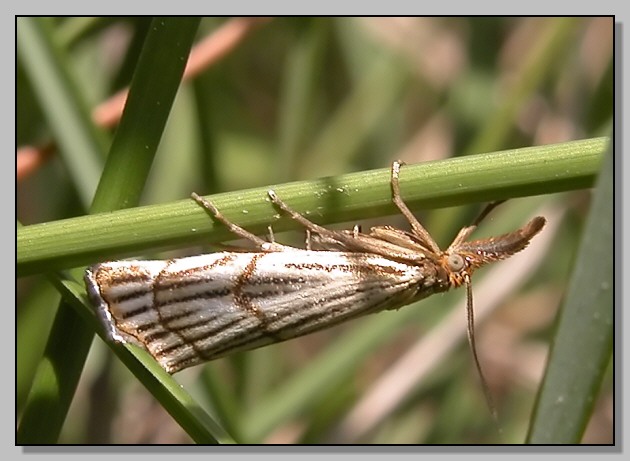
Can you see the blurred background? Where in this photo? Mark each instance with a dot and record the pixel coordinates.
(274, 100)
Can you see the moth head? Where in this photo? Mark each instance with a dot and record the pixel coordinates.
(458, 266)
(462, 258)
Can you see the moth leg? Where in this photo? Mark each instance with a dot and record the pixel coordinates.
(335, 236)
(237, 230)
(418, 229)
(309, 225)
(487, 209)
(352, 241)
(307, 241)
(272, 238)
(465, 232)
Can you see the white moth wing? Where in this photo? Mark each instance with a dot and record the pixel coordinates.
(189, 310)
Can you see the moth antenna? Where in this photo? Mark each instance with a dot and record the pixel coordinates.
(470, 317)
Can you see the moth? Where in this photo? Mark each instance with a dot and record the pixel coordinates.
(190, 310)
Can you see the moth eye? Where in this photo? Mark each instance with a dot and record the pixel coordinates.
(455, 262)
